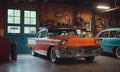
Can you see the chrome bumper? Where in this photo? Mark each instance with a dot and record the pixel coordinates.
(82, 51)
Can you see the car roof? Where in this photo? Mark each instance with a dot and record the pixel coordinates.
(112, 29)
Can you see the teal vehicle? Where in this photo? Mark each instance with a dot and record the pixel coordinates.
(110, 40)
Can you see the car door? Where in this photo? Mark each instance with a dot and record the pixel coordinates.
(117, 38)
(42, 44)
(104, 36)
(111, 41)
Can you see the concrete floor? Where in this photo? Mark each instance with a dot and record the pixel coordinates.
(28, 63)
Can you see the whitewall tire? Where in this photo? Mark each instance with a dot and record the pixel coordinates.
(117, 52)
(53, 57)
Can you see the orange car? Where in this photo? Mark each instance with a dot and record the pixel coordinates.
(59, 43)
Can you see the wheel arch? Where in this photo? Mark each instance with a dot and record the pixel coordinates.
(30, 48)
(114, 48)
(48, 51)
(116, 53)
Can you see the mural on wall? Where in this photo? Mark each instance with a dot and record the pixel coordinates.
(114, 19)
(78, 22)
(59, 12)
(98, 26)
(102, 23)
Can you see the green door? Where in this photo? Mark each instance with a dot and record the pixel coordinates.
(21, 24)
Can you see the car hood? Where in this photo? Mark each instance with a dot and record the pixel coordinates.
(77, 41)
(64, 37)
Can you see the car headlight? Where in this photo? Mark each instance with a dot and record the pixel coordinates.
(63, 42)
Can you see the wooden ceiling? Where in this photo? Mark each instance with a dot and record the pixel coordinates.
(79, 3)
(85, 3)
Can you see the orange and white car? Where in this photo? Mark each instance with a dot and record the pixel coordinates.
(59, 43)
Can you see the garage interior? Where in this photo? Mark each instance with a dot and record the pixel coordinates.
(16, 24)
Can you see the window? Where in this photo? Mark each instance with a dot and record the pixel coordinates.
(13, 19)
(13, 16)
(118, 35)
(30, 17)
(13, 29)
(104, 34)
(42, 34)
(51, 34)
(30, 30)
(112, 33)
(21, 21)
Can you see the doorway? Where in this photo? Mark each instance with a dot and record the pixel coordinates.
(21, 24)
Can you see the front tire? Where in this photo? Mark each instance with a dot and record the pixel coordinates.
(89, 59)
(117, 52)
(53, 57)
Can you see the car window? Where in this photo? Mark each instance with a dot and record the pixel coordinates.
(42, 34)
(118, 35)
(56, 32)
(51, 34)
(104, 34)
(112, 34)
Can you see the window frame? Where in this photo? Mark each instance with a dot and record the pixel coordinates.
(117, 34)
(114, 34)
(14, 16)
(39, 35)
(21, 24)
(104, 36)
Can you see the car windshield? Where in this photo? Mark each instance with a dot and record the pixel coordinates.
(62, 31)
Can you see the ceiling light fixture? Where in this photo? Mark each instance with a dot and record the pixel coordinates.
(103, 7)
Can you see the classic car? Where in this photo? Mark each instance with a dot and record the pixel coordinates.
(59, 43)
(110, 41)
